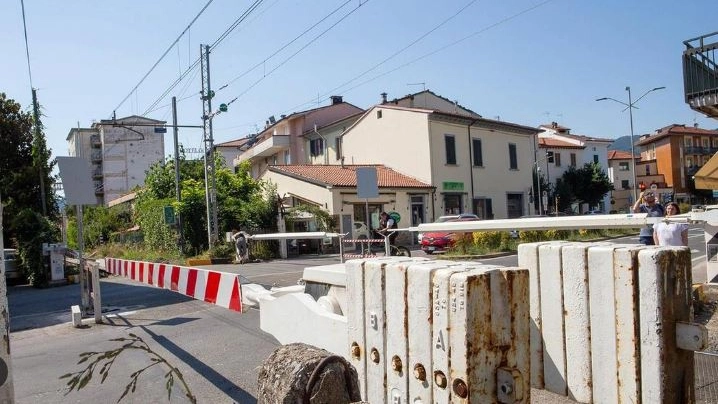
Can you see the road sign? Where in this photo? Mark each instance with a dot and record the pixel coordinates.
(169, 212)
(160, 129)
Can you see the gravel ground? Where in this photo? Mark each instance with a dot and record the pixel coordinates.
(707, 314)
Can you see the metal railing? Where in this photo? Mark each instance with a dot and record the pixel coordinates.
(700, 73)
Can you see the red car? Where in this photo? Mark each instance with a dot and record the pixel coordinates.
(442, 241)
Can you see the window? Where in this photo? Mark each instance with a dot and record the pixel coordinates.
(378, 114)
(648, 170)
(287, 157)
(514, 205)
(316, 147)
(624, 184)
(513, 162)
(450, 145)
(338, 147)
(478, 157)
(452, 204)
(688, 142)
(557, 159)
(623, 166)
(573, 159)
(706, 142)
(595, 158)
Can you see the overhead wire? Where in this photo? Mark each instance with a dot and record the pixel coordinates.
(234, 25)
(296, 53)
(163, 55)
(444, 47)
(296, 38)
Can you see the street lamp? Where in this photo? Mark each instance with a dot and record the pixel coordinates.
(631, 104)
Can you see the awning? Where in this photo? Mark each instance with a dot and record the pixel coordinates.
(707, 176)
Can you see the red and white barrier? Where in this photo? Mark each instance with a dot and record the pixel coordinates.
(219, 288)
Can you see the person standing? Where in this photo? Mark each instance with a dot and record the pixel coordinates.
(671, 233)
(646, 203)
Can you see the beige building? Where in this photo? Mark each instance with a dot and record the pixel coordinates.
(286, 141)
(619, 171)
(334, 188)
(476, 165)
(120, 152)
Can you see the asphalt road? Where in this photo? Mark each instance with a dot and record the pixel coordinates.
(218, 351)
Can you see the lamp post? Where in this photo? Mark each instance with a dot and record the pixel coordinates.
(631, 104)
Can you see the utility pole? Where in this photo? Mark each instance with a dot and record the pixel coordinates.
(36, 115)
(209, 168)
(177, 173)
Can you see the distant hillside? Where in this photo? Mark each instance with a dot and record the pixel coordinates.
(621, 143)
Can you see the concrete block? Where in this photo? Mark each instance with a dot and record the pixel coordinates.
(76, 315)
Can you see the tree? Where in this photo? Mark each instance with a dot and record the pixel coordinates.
(588, 184)
(241, 202)
(24, 160)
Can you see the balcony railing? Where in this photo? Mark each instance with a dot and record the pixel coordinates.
(700, 150)
(700, 74)
(266, 148)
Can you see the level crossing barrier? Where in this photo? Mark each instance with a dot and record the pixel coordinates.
(218, 288)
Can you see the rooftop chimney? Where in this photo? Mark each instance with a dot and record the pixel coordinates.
(383, 98)
(695, 124)
(554, 125)
(336, 99)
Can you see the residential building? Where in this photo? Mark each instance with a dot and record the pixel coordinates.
(285, 141)
(619, 171)
(120, 152)
(334, 188)
(476, 165)
(557, 143)
(672, 155)
(427, 99)
(232, 149)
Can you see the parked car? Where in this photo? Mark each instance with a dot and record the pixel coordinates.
(360, 231)
(11, 271)
(446, 218)
(432, 242)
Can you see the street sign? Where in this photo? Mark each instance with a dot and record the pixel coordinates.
(367, 183)
(169, 212)
(160, 129)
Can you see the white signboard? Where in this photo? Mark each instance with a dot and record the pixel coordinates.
(76, 175)
(367, 183)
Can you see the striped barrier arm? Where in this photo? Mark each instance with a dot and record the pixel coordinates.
(218, 288)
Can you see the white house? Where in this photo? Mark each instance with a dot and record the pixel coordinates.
(476, 165)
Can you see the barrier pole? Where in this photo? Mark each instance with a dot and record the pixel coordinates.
(96, 298)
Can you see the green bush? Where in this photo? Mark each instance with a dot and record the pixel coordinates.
(222, 250)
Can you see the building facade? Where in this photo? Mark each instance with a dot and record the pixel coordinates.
(475, 165)
(120, 152)
(672, 155)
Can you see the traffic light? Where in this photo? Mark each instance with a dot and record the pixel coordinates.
(549, 156)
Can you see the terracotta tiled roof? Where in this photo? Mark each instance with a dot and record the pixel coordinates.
(676, 129)
(345, 176)
(547, 142)
(618, 155)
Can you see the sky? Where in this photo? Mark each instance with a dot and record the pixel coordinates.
(528, 62)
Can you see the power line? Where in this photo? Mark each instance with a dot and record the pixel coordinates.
(27, 47)
(297, 52)
(502, 21)
(196, 62)
(236, 22)
(284, 46)
(164, 54)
